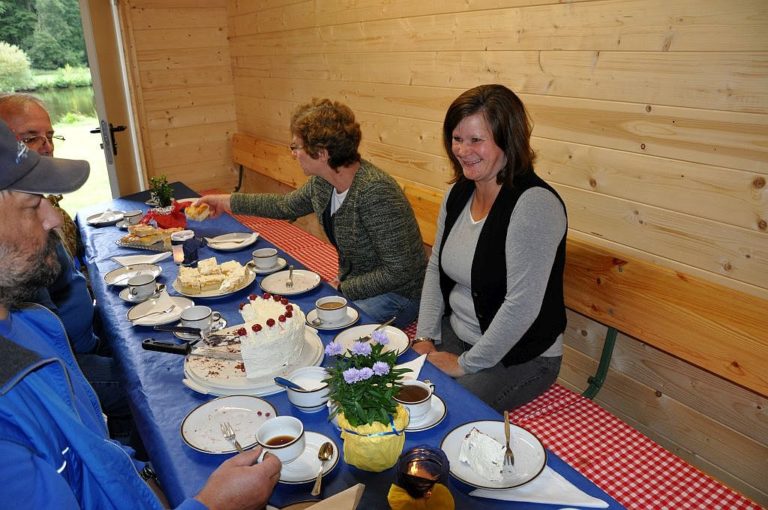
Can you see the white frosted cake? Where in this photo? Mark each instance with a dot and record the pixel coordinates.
(273, 334)
(484, 455)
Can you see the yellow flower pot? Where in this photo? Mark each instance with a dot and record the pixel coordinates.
(374, 447)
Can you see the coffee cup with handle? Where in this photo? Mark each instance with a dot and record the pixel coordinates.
(331, 309)
(265, 258)
(141, 287)
(416, 396)
(200, 317)
(283, 437)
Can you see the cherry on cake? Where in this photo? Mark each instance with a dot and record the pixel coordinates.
(272, 336)
(484, 455)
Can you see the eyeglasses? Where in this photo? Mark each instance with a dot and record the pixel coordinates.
(39, 140)
(295, 147)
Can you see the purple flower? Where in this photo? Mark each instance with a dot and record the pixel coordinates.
(365, 373)
(334, 349)
(380, 337)
(361, 348)
(380, 368)
(351, 375)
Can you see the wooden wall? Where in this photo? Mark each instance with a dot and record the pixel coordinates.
(650, 120)
(181, 79)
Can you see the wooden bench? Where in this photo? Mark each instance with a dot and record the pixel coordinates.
(712, 327)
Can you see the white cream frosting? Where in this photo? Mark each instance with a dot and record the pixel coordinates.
(484, 455)
(275, 345)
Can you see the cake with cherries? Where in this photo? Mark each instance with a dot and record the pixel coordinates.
(272, 336)
(484, 455)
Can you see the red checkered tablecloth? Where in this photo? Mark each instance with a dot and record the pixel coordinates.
(627, 465)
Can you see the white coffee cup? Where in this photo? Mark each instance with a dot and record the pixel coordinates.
(132, 217)
(283, 437)
(416, 396)
(265, 258)
(200, 317)
(141, 286)
(332, 309)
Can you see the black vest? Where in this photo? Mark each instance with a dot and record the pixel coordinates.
(489, 269)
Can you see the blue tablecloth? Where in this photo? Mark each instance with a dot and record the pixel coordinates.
(160, 401)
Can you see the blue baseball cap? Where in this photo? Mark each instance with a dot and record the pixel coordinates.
(25, 170)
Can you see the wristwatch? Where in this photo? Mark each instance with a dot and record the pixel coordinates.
(423, 339)
(148, 473)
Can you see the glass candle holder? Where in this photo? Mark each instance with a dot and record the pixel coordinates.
(420, 468)
(177, 244)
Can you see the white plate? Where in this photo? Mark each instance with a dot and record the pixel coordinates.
(352, 317)
(121, 275)
(125, 294)
(249, 278)
(105, 218)
(303, 281)
(432, 418)
(281, 263)
(530, 457)
(305, 468)
(226, 242)
(398, 340)
(201, 428)
(162, 302)
(224, 377)
(219, 324)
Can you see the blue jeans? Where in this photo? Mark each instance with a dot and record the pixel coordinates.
(384, 306)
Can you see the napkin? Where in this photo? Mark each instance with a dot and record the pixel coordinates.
(108, 215)
(130, 260)
(414, 365)
(548, 488)
(162, 302)
(345, 500)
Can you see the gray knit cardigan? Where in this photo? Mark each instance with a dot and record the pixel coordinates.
(378, 240)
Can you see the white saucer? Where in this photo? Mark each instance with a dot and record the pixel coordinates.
(352, 317)
(219, 324)
(125, 294)
(281, 263)
(139, 315)
(305, 468)
(432, 418)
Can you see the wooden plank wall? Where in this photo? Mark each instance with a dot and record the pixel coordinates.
(650, 120)
(181, 79)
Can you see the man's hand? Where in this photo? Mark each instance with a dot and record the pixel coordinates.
(241, 484)
(219, 204)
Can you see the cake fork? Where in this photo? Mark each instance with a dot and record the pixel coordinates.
(509, 457)
(289, 283)
(229, 435)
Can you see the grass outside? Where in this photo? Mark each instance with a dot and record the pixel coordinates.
(80, 144)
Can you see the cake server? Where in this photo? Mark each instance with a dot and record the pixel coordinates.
(151, 344)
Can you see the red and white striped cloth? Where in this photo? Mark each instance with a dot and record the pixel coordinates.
(630, 467)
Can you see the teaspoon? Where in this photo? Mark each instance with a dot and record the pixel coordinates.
(324, 453)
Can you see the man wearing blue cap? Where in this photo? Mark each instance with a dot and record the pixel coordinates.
(53, 439)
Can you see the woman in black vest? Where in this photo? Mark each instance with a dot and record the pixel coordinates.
(492, 313)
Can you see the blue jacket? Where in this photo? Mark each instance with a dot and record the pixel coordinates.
(54, 445)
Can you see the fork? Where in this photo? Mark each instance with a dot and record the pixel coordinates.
(167, 310)
(229, 435)
(289, 283)
(509, 457)
(380, 326)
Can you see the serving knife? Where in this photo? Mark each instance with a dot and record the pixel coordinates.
(210, 339)
(185, 349)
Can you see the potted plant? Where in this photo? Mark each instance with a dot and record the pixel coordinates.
(166, 212)
(362, 384)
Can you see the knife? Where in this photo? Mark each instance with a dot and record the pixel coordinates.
(151, 344)
(211, 338)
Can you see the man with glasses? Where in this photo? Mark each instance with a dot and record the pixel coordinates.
(29, 120)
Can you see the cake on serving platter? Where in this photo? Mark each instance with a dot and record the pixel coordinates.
(273, 334)
(147, 235)
(484, 455)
